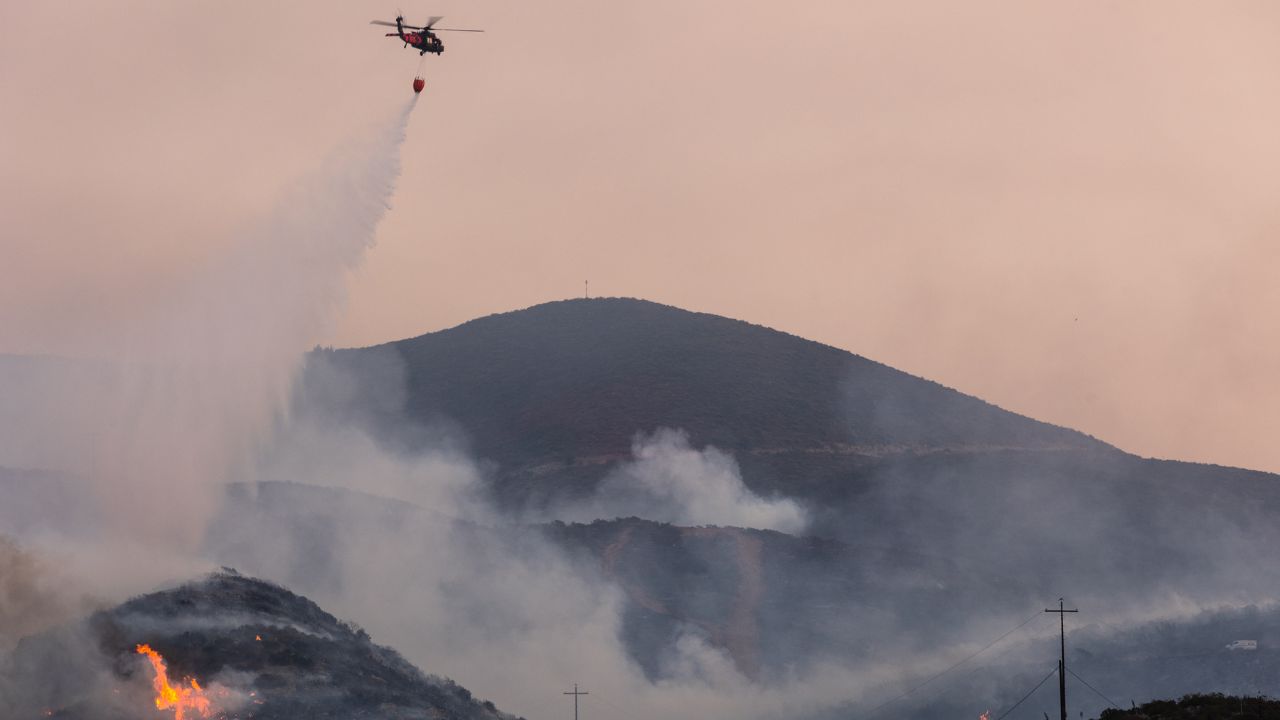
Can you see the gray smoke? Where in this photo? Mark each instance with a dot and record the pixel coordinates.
(400, 542)
(670, 481)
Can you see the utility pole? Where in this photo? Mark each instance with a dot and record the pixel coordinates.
(575, 695)
(586, 289)
(1062, 662)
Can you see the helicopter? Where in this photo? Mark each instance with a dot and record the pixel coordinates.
(424, 38)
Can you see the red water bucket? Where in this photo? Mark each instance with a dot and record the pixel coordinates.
(418, 84)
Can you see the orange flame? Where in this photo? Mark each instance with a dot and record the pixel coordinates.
(179, 699)
(985, 716)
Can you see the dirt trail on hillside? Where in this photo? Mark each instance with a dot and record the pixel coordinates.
(738, 633)
(637, 594)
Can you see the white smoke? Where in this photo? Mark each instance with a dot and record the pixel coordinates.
(668, 480)
(185, 398)
(497, 608)
(176, 402)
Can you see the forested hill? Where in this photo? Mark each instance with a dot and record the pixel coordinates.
(578, 379)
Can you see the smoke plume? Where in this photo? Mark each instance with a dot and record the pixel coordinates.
(668, 480)
(176, 401)
(27, 604)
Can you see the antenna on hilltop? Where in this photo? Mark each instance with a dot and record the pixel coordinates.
(586, 289)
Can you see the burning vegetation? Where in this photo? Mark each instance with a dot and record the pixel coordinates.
(178, 699)
(226, 647)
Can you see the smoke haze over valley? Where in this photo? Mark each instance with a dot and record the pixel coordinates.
(609, 491)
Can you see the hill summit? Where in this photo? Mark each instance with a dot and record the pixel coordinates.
(575, 380)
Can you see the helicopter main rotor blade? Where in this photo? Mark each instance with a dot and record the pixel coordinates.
(432, 21)
(391, 24)
(454, 30)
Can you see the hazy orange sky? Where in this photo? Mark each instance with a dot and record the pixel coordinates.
(1068, 209)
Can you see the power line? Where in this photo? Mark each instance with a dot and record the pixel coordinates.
(1024, 697)
(992, 659)
(600, 698)
(964, 660)
(575, 695)
(1094, 689)
(1062, 664)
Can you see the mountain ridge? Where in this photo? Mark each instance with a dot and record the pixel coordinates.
(549, 394)
(557, 305)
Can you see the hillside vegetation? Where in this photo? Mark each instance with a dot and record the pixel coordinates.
(577, 379)
(1201, 707)
(255, 646)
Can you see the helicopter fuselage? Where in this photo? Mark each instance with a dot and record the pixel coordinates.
(422, 42)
